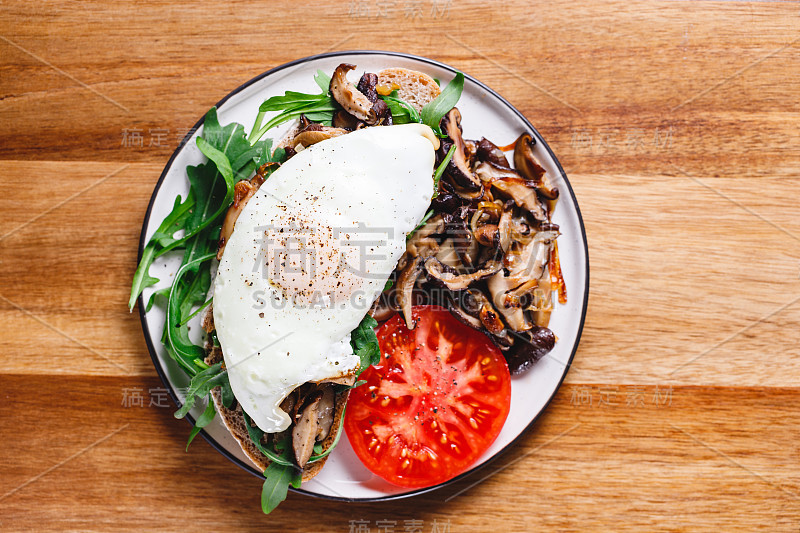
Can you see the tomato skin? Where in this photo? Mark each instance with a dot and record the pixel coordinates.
(433, 405)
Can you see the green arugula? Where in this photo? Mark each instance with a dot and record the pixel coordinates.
(204, 420)
(364, 342)
(437, 176)
(402, 111)
(433, 112)
(316, 107)
(277, 479)
(199, 215)
(200, 387)
(202, 383)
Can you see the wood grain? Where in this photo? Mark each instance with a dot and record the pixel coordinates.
(677, 123)
(626, 464)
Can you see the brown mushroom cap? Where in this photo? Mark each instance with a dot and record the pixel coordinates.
(486, 150)
(527, 165)
(524, 196)
(528, 348)
(308, 137)
(458, 169)
(354, 101)
(344, 120)
(454, 281)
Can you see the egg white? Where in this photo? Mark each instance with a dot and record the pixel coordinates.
(309, 254)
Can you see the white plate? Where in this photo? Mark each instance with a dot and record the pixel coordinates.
(485, 114)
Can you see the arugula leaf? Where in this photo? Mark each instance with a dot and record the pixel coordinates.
(321, 107)
(364, 342)
(202, 421)
(437, 176)
(322, 80)
(210, 194)
(402, 111)
(219, 158)
(160, 293)
(213, 196)
(180, 347)
(198, 386)
(433, 112)
(277, 479)
(162, 237)
(201, 384)
(316, 107)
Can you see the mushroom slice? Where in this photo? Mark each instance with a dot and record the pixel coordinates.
(454, 281)
(458, 231)
(367, 86)
(381, 310)
(405, 287)
(305, 431)
(487, 313)
(344, 120)
(472, 196)
(465, 318)
(325, 411)
(529, 348)
(524, 196)
(352, 100)
(542, 305)
(446, 202)
(312, 136)
(288, 404)
(489, 172)
(448, 254)
(488, 151)
(421, 243)
(242, 192)
(504, 228)
(528, 261)
(487, 235)
(513, 298)
(458, 169)
(527, 165)
(515, 317)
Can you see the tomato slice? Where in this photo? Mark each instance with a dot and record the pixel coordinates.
(433, 405)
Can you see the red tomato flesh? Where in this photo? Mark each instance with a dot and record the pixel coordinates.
(433, 405)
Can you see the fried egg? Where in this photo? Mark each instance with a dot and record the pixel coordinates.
(309, 254)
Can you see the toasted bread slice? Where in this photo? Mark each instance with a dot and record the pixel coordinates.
(235, 423)
(416, 88)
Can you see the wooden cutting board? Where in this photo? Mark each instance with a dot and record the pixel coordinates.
(678, 126)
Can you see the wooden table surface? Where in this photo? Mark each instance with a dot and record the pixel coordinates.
(678, 124)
